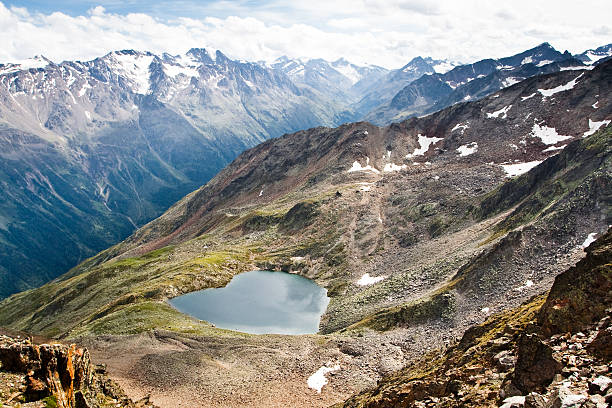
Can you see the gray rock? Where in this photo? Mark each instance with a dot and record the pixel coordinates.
(566, 399)
(505, 359)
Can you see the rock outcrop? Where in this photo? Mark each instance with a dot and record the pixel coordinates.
(57, 375)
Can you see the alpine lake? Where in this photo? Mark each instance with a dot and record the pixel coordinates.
(259, 302)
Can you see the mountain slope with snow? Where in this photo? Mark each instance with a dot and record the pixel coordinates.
(468, 82)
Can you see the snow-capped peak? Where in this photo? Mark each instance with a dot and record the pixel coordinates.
(38, 61)
(133, 66)
(351, 71)
(443, 66)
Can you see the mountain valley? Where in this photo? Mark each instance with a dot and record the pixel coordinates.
(417, 229)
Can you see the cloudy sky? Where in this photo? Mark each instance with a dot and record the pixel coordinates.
(382, 32)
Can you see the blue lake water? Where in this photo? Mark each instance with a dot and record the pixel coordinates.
(260, 302)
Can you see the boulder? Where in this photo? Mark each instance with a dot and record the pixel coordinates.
(535, 367)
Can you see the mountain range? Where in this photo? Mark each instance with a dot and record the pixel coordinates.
(91, 150)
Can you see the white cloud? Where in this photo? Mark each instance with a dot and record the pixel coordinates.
(383, 32)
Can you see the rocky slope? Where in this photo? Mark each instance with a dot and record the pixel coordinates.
(90, 150)
(430, 207)
(552, 352)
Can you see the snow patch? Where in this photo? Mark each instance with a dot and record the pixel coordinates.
(461, 126)
(553, 148)
(467, 149)
(589, 240)
(528, 283)
(577, 68)
(594, 127)
(527, 60)
(358, 167)
(524, 98)
(135, 68)
(88, 115)
(443, 67)
(318, 380)
(485, 310)
(503, 111)
(519, 168)
(595, 105)
(176, 70)
(424, 144)
(596, 57)
(544, 62)
(570, 85)
(390, 167)
(548, 135)
(84, 89)
(261, 193)
(513, 402)
(348, 70)
(36, 62)
(510, 81)
(366, 279)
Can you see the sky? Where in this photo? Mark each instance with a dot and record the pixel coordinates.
(380, 32)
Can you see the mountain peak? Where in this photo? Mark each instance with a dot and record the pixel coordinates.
(200, 55)
(341, 61)
(132, 52)
(36, 62)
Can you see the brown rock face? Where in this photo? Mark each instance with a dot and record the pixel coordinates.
(601, 346)
(64, 372)
(51, 369)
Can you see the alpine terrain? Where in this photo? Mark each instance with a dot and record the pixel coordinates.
(91, 150)
(419, 230)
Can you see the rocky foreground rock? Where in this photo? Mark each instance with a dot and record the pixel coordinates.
(55, 375)
(552, 352)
